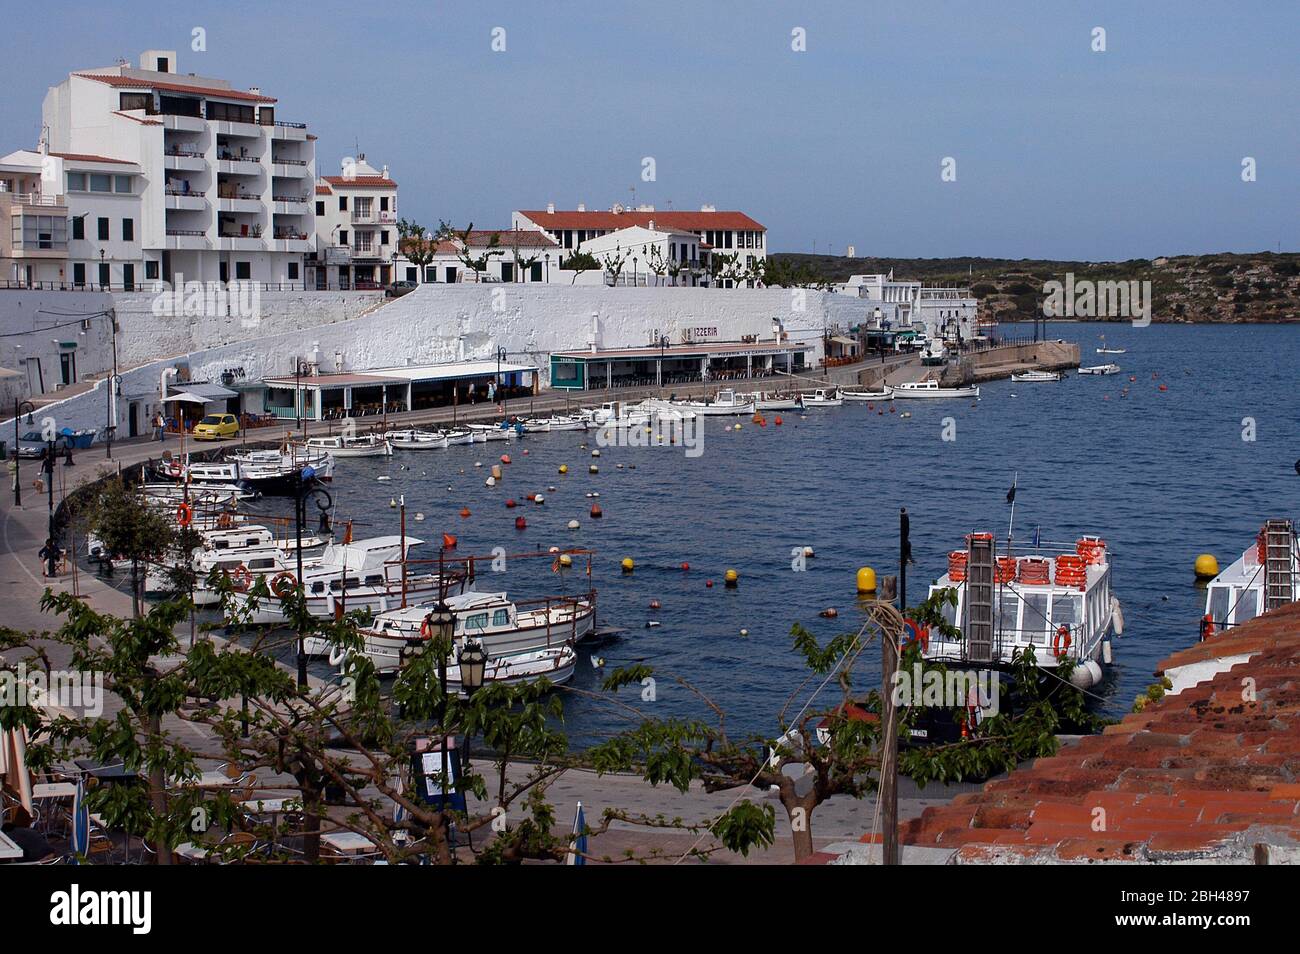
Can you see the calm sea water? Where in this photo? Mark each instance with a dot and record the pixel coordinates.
(1162, 476)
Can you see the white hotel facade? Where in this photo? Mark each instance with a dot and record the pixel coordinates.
(195, 178)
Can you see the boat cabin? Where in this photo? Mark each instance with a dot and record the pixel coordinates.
(1265, 576)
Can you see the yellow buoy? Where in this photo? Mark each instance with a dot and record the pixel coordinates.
(566, 560)
(731, 577)
(564, 468)
(628, 565)
(1207, 567)
(866, 580)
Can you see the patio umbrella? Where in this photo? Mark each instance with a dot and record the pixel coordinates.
(576, 854)
(13, 765)
(80, 820)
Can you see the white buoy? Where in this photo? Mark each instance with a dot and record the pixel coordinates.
(491, 482)
(419, 517)
(574, 525)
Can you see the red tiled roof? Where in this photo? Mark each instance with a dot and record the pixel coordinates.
(138, 119)
(1184, 778)
(509, 238)
(365, 182)
(130, 82)
(688, 221)
(86, 157)
(323, 190)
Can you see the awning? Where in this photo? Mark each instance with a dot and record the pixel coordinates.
(200, 394)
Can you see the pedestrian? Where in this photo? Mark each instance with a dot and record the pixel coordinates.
(45, 553)
(159, 425)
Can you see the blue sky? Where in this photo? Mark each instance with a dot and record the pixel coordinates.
(1061, 152)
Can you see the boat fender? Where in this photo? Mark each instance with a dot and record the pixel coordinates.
(1117, 616)
(1107, 655)
(337, 655)
(1086, 675)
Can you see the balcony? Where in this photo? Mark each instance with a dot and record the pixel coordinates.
(239, 165)
(290, 240)
(239, 203)
(240, 242)
(183, 239)
(289, 168)
(180, 159)
(34, 200)
(289, 132)
(183, 123)
(227, 127)
(180, 199)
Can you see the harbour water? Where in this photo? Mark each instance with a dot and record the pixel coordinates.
(1161, 475)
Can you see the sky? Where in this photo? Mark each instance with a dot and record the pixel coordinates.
(1059, 151)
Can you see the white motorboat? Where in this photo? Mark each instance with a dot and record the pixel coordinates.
(1112, 350)
(555, 664)
(773, 401)
(167, 492)
(366, 574)
(1061, 605)
(267, 472)
(417, 440)
(242, 551)
(1100, 369)
(884, 394)
(1264, 577)
(725, 402)
(365, 445)
(1036, 377)
(821, 397)
(545, 425)
(501, 627)
(619, 414)
(931, 389)
(482, 433)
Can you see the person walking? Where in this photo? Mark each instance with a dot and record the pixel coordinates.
(160, 425)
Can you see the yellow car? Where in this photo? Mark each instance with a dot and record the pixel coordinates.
(214, 427)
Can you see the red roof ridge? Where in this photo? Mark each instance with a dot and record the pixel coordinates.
(135, 82)
(363, 181)
(138, 119)
(87, 157)
(673, 218)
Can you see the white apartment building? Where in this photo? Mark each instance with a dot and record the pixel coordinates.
(221, 189)
(517, 255)
(943, 313)
(644, 256)
(720, 233)
(356, 240)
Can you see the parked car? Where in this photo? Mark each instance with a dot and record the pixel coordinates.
(215, 427)
(398, 289)
(32, 445)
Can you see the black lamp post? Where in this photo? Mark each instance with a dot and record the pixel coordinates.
(501, 355)
(297, 391)
(323, 503)
(441, 624)
(473, 665)
(19, 407)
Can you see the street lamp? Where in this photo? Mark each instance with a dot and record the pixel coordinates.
(440, 623)
(473, 665)
(18, 410)
(323, 503)
(104, 286)
(501, 355)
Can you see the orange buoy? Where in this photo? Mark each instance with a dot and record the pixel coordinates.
(448, 541)
(686, 566)
(1164, 387)
(505, 458)
(511, 503)
(530, 497)
(596, 512)
(777, 422)
(654, 604)
(464, 511)
(520, 523)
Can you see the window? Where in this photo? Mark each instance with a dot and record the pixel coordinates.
(103, 275)
(243, 271)
(383, 203)
(1219, 604)
(103, 229)
(128, 230)
(151, 271)
(122, 185)
(293, 271)
(383, 237)
(1065, 611)
(128, 101)
(1247, 605)
(100, 183)
(128, 276)
(430, 274)
(320, 208)
(163, 65)
(76, 182)
(343, 203)
(79, 273)
(1035, 623)
(1008, 609)
(412, 274)
(477, 621)
(227, 111)
(343, 237)
(79, 227)
(501, 617)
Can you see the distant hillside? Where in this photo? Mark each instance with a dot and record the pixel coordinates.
(1262, 286)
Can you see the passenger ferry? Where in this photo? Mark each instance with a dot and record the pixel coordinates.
(1264, 577)
(1059, 603)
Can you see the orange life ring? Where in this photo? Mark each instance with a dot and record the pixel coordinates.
(242, 578)
(184, 514)
(1207, 626)
(1061, 641)
(283, 584)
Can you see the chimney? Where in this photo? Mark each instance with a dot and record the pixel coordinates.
(707, 208)
(385, 172)
(255, 90)
(550, 208)
(652, 225)
(582, 207)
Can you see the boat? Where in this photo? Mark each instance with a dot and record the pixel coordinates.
(1100, 369)
(417, 440)
(1264, 577)
(773, 401)
(725, 402)
(172, 492)
(556, 665)
(618, 414)
(1059, 603)
(934, 354)
(931, 389)
(821, 397)
(1112, 351)
(501, 627)
(366, 445)
(482, 433)
(545, 425)
(1036, 377)
(366, 574)
(242, 551)
(884, 394)
(268, 472)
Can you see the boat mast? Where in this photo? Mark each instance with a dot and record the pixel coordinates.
(1011, 522)
(403, 533)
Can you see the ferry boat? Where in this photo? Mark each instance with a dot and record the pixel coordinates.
(931, 389)
(503, 628)
(1264, 577)
(366, 445)
(1100, 369)
(366, 574)
(1036, 377)
(1060, 604)
(725, 402)
(821, 397)
(884, 394)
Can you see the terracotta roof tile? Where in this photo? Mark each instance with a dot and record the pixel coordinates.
(215, 92)
(362, 182)
(690, 221)
(88, 157)
(137, 119)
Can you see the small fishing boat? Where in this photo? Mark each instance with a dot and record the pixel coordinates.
(725, 402)
(618, 414)
(502, 627)
(1100, 369)
(555, 665)
(821, 397)
(458, 437)
(931, 389)
(482, 433)
(773, 401)
(417, 440)
(1112, 351)
(884, 394)
(1036, 377)
(1264, 577)
(545, 425)
(365, 445)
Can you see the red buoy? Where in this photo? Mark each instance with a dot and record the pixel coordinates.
(777, 422)
(686, 566)
(520, 523)
(709, 584)
(464, 511)
(511, 503)
(596, 512)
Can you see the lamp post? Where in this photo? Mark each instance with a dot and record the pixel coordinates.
(663, 343)
(305, 474)
(501, 354)
(441, 623)
(104, 286)
(472, 660)
(297, 391)
(18, 410)
(114, 385)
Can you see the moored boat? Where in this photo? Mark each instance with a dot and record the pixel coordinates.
(1036, 377)
(1264, 577)
(1100, 369)
(365, 445)
(884, 394)
(931, 389)
(725, 402)
(821, 397)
